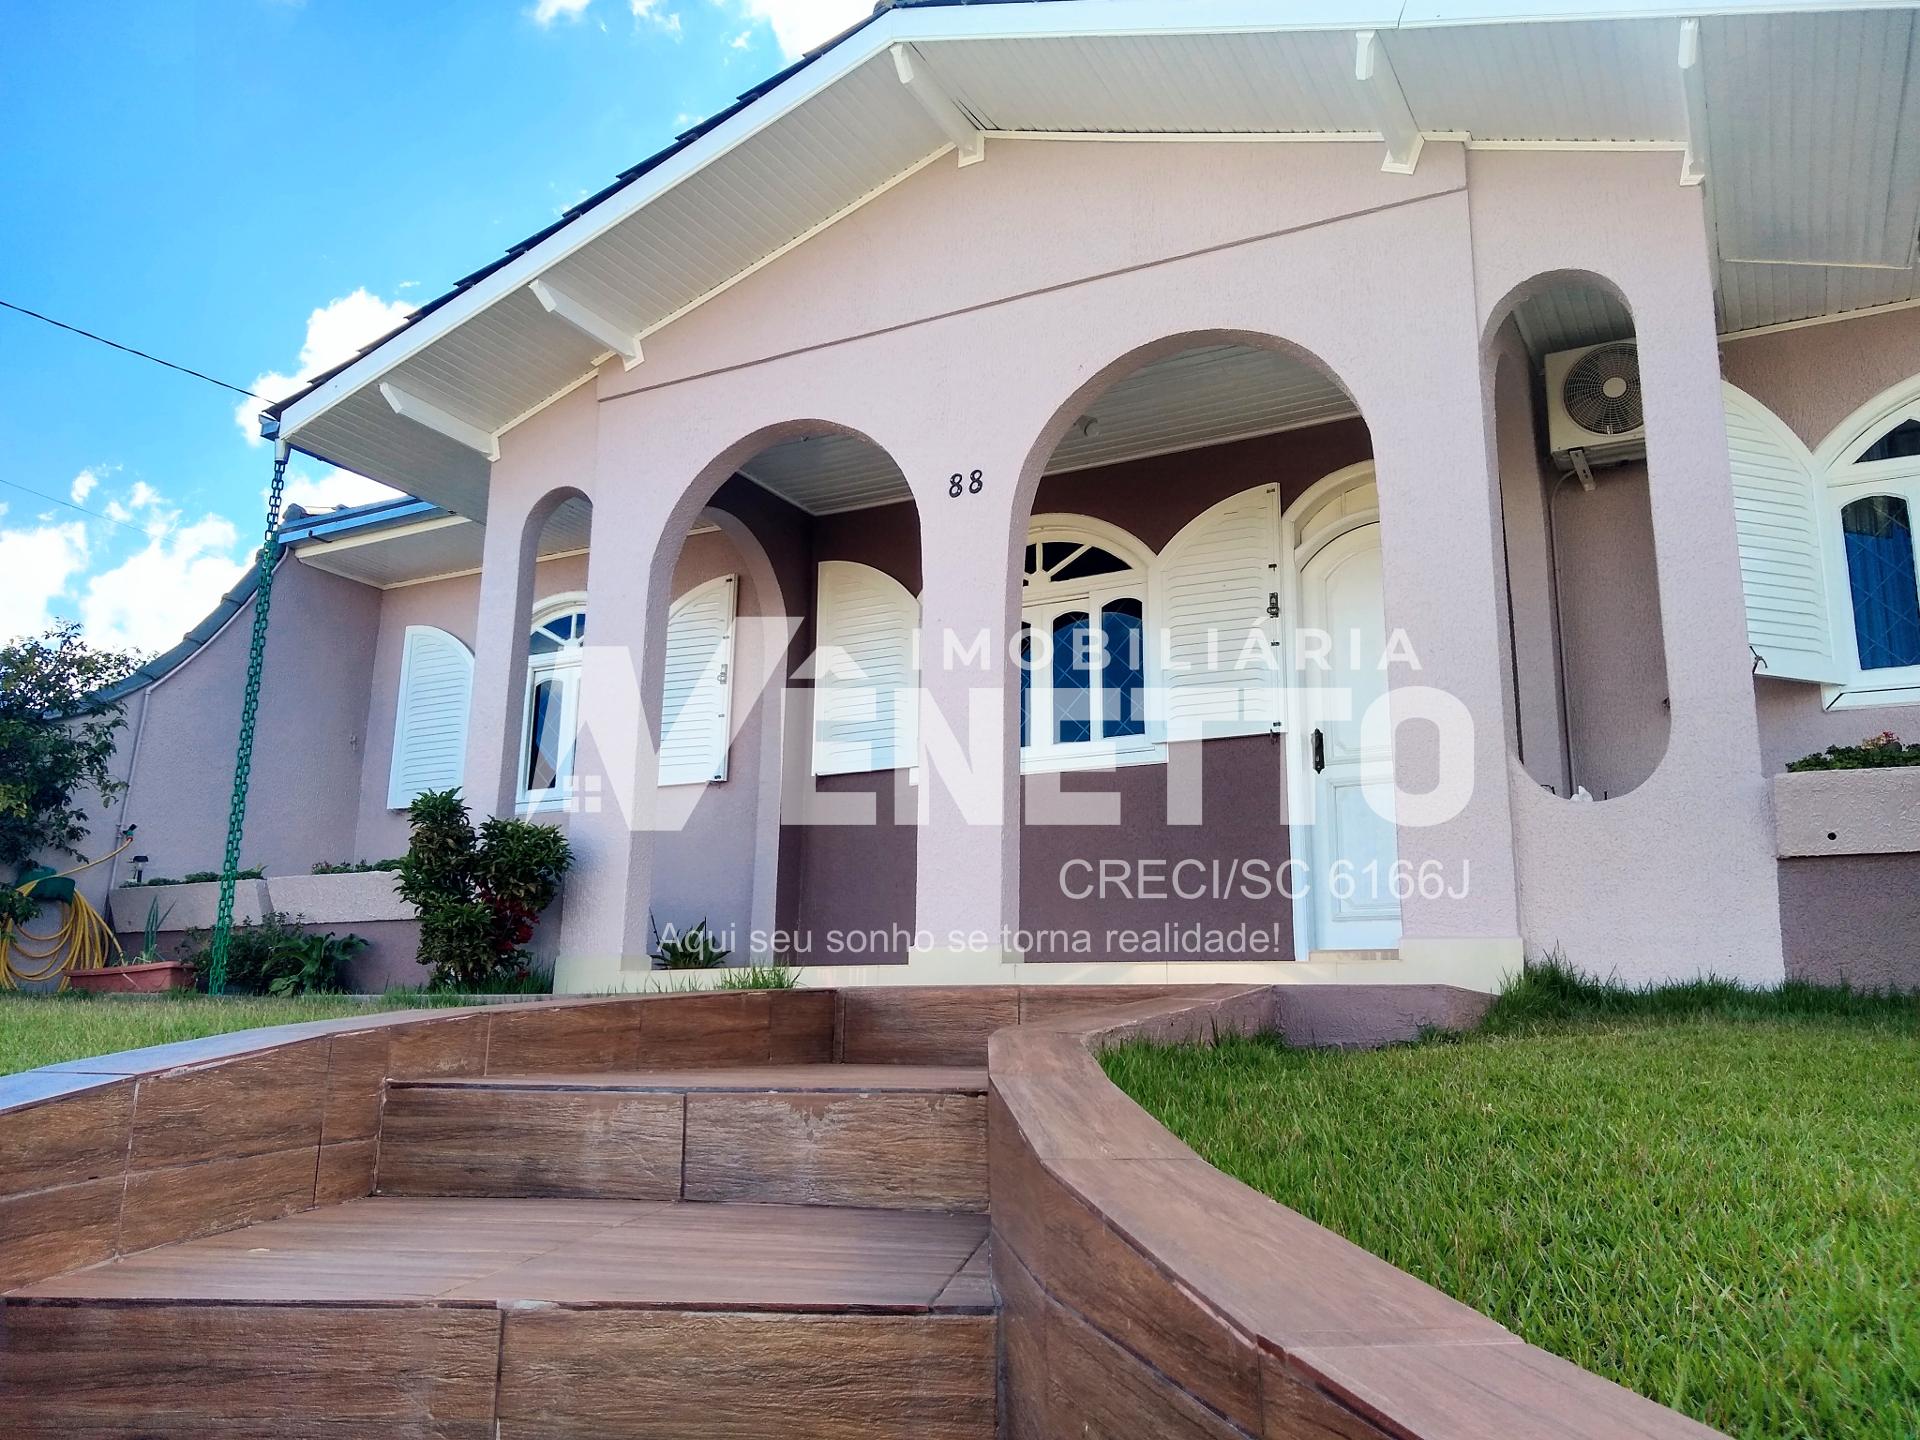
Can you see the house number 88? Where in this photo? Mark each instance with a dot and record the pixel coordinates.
(970, 484)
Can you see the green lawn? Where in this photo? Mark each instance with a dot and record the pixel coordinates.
(46, 1029)
(1710, 1197)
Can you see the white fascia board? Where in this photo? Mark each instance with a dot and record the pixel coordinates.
(911, 66)
(380, 536)
(619, 339)
(409, 406)
(1387, 102)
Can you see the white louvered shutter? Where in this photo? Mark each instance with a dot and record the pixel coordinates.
(1776, 504)
(696, 698)
(430, 722)
(1218, 580)
(865, 692)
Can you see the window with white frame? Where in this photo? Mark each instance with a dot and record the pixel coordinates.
(1876, 490)
(1083, 657)
(550, 717)
(696, 692)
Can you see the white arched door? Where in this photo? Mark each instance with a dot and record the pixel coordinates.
(1350, 904)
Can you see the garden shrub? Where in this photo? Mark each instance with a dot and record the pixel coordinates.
(478, 895)
(688, 950)
(274, 956)
(57, 739)
(1879, 752)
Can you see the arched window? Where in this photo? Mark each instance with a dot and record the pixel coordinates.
(551, 713)
(1083, 646)
(1874, 488)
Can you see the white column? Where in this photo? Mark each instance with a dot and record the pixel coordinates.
(968, 881)
(1440, 550)
(605, 938)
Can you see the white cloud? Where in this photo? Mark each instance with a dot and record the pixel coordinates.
(799, 25)
(40, 562)
(548, 11)
(742, 40)
(335, 332)
(335, 488)
(83, 484)
(649, 10)
(145, 602)
(148, 601)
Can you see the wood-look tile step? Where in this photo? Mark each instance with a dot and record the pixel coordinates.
(830, 1079)
(882, 1136)
(477, 1318)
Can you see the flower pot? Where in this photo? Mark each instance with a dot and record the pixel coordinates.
(146, 978)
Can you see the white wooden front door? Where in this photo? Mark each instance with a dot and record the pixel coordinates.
(1352, 847)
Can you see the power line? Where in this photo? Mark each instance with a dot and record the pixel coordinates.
(55, 499)
(128, 349)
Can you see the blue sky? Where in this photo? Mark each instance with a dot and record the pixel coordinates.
(256, 187)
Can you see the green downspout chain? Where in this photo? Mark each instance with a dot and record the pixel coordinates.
(249, 710)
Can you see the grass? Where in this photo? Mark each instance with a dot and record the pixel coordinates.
(46, 1029)
(1707, 1194)
(760, 977)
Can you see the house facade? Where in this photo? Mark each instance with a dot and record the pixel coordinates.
(1103, 491)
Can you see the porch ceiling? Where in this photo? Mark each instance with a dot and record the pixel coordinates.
(1798, 236)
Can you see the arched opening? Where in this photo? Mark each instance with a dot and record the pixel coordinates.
(550, 635)
(1187, 513)
(786, 704)
(1587, 710)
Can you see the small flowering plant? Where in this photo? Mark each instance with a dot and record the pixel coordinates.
(1876, 752)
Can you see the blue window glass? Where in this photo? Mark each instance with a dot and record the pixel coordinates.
(1900, 443)
(1124, 669)
(1072, 679)
(558, 633)
(1026, 683)
(1880, 570)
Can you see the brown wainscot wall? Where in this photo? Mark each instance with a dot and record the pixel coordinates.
(1145, 1293)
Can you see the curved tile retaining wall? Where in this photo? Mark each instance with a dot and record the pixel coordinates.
(1145, 1293)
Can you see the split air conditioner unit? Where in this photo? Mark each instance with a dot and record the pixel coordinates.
(1593, 407)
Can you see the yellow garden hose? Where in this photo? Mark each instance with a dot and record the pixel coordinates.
(83, 941)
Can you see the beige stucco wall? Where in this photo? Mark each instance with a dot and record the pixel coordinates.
(179, 744)
(1610, 629)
